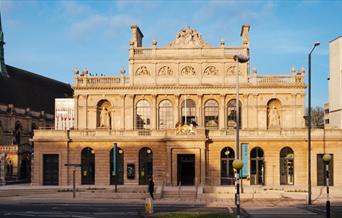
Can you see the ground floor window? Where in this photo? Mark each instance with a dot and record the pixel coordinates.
(257, 166)
(145, 165)
(286, 166)
(321, 170)
(227, 171)
(88, 166)
(50, 169)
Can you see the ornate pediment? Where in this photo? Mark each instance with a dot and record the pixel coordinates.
(188, 38)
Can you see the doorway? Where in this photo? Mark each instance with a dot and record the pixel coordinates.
(186, 169)
(50, 169)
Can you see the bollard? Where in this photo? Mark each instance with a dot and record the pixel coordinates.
(149, 206)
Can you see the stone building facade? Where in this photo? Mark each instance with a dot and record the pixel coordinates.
(174, 117)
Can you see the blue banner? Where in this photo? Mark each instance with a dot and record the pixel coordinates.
(244, 155)
(115, 154)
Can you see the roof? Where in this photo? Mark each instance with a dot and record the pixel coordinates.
(335, 39)
(25, 89)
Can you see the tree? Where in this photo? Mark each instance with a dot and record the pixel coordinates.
(317, 117)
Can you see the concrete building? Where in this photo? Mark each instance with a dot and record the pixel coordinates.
(335, 84)
(174, 117)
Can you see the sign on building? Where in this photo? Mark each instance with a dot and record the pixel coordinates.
(64, 113)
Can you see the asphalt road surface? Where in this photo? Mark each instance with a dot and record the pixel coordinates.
(83, 210)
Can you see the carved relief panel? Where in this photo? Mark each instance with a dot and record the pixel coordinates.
(165, 71)
(188, 71)
(142, 71)
(210, 71)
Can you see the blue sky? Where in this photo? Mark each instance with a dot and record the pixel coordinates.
(52, 37)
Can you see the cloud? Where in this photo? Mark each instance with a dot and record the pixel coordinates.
(110, 25)
(72, 8)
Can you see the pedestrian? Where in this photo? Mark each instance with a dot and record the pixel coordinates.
(151, 187)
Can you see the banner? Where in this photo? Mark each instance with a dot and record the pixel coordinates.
(244, 156)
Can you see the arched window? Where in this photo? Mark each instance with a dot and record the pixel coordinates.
(165, 115)
(257, 166)
(104, 118)
(17, 133)
(227, 171)
(231, 114)
(145, 165)
(88, 166)
(211, 114)
(143, 115)
(189, 112)
(119, 177)
(273, 114)
(286, 166)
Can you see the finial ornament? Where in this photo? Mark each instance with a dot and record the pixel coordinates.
(122, 71)
(293, 69)
(302, 70)
(154, 42)
(76, 71)
(85, 71)
(222, 42)
(254, 70)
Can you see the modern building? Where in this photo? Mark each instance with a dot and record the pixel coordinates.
(335, 84)
(26, 103)
(174, 115)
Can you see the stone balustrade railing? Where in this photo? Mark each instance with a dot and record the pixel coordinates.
(279, 79)
(101, 81)
(198, 133)
(220, 51)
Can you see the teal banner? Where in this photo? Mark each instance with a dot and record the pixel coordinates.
(244, 155)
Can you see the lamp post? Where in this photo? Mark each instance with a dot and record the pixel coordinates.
(309, 123)
(237, 164)
(326, 159)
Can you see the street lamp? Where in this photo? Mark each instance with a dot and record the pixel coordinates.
(309, 123)
(237, 165)
(326, 159)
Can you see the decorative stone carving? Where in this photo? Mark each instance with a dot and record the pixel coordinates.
(185, 129)
(104, 118)
(231, 70)
(188, 71)
(165, 71)
(142, 71)
(210, 71)
(188, 38)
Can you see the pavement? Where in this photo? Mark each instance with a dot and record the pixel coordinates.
(26, 201)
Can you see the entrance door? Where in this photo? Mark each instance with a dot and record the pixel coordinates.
(186, 169)
(257, 166)
(50, 169)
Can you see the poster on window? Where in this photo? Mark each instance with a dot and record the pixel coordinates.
(244, 154)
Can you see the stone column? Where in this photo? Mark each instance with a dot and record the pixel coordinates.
(169, 165)
(203, 165)
(176, 110)
(86, 111)
(122, 111)
(154, 117)
(76, 112)
(222, 116)
(200, 111)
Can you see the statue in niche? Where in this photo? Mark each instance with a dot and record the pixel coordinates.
(104, 118)
(273, 118)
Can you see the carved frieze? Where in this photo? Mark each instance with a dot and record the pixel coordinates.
(188, 71)
(188, 38)
(231, 70)
(142, 71)
(165, 71)
(210, 71)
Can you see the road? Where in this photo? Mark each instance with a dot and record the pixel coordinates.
(86, 210)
